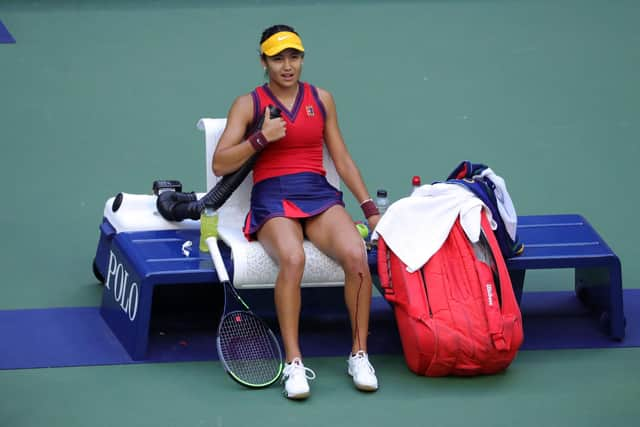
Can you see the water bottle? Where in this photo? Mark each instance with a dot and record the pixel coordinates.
(208, 227)
(382, 201)
(416, 182)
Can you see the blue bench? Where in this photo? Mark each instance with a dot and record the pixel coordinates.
(132, 264)
(569, 241)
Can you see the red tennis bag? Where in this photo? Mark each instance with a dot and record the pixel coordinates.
(456, 316)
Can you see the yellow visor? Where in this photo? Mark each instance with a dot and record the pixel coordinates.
(281, 41)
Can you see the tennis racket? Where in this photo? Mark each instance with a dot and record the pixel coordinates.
(247, 348)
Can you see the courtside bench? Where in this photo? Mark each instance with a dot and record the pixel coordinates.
(569, 241)
(132, 264)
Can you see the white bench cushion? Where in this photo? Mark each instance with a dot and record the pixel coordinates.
(252, 266)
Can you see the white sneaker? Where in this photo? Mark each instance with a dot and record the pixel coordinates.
(294, 377)
(364, 376)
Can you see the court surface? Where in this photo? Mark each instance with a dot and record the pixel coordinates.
(100, 97)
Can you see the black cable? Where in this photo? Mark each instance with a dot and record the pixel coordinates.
(176, 206)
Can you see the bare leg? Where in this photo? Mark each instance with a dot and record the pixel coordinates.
(282, 239)
(335, 234)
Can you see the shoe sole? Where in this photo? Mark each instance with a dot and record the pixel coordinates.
(300, 396)
(366, 387)
(363, 387)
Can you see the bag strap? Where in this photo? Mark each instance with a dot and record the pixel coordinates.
(509, 305)
(384, 270)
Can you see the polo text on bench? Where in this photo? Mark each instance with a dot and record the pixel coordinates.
(128, 301)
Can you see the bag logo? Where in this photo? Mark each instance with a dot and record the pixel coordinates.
(489, 294)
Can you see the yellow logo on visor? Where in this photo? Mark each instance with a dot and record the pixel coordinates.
(281, 41)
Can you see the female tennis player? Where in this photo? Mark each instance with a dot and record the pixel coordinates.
(291, 198)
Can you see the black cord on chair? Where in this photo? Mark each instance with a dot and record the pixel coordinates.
(176, 206)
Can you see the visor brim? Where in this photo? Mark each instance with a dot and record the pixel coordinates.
(279, 48)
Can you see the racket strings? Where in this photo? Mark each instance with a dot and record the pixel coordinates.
(249, 349)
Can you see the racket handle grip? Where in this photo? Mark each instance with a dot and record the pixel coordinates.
(212, 243)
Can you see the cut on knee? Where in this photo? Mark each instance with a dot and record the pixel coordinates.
(354, 262)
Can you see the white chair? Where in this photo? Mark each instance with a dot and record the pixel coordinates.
(252, 266)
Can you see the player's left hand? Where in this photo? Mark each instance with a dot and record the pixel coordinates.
(373, 221)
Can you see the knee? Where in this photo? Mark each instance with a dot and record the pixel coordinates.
(354, 261)
(292, 263)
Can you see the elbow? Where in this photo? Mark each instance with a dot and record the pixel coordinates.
(217, 170)
(216, 167)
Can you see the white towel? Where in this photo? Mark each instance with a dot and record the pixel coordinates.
(415, 227)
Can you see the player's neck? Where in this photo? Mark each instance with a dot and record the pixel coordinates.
(285, 94)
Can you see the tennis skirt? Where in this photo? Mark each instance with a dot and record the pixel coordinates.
(298, 195)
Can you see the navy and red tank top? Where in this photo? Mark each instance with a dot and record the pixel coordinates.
(301, 148)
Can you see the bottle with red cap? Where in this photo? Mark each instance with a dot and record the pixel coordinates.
(416, 182)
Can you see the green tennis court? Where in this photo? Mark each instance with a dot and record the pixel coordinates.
(98, 97)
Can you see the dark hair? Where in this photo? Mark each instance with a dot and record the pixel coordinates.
(273, 30)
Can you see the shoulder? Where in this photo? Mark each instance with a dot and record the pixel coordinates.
(243, 101)
(324, 95)
(243, 105)
(326, 100)
(242, 110)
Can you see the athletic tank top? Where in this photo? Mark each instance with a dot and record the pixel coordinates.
(301, 148)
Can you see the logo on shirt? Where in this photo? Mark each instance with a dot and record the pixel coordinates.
(310, 111)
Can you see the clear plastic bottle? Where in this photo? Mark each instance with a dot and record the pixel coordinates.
(208, 227)
(416, 182)
(382, 201)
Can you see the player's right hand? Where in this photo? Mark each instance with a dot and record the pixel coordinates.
(273, 129)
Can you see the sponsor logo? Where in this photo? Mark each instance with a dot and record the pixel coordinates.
(280, 38)
(489, 294)
(310, 111)
(124, 293)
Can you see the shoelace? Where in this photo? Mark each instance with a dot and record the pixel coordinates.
(296, 366)
(361, 361)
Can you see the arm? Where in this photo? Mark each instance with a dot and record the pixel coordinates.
(233, 150)
(346, 167)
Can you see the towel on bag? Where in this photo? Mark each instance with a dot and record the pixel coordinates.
(415, 227)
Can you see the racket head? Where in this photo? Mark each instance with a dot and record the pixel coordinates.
(249, 350)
